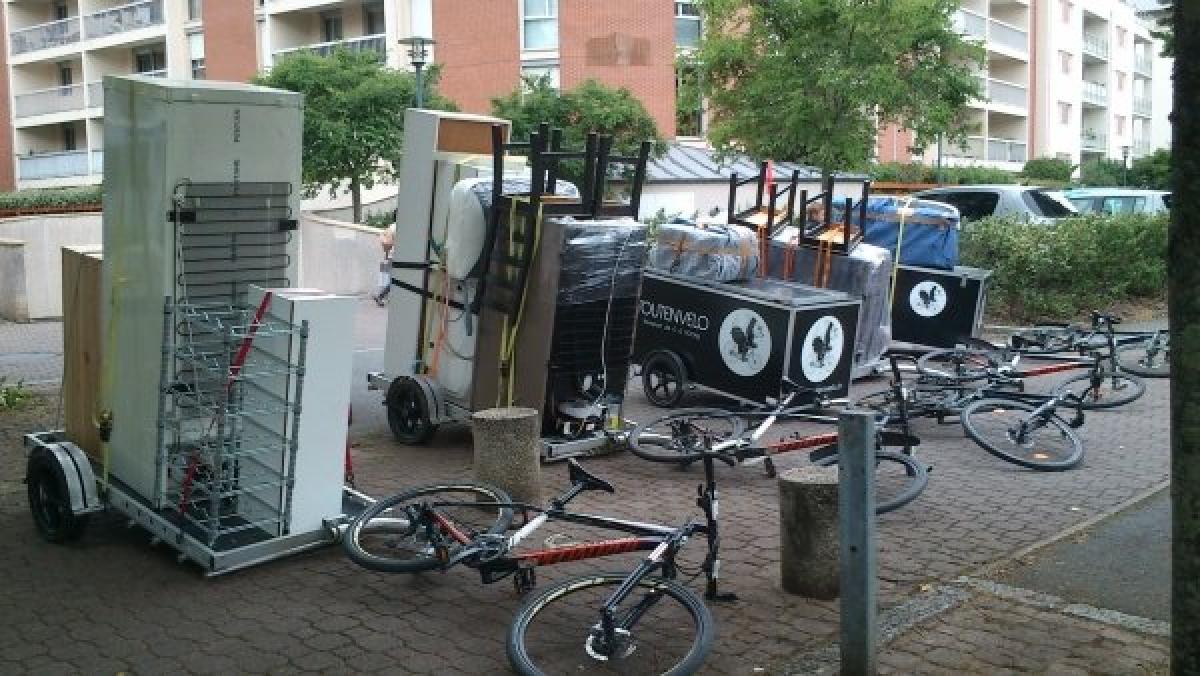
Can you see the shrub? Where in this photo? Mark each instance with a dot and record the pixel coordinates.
(1045, 272)
(915, 172)
(51, 198)
(1101, 173)
(12, 396)
(1048, 169)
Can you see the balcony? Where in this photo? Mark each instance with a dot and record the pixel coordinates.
(973, 150)
(1141, 147)
(1142, 106)
(368, 43)
(1005, 150)
(95, 90)
(1095, 46)
(1143, 64)
(52, 100)
(1008, 36)
(59, 165)
(44, 36)
(1095, 93)
(970, 24)
(1093, 141)
(125, 18)
(1006, 93)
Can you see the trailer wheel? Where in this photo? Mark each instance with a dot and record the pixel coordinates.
(408, 412)
(50, 500)
(664, 378)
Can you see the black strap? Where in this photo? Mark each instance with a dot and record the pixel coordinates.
(420, 292)
(405, 265)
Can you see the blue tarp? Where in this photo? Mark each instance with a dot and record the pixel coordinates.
(930, 230)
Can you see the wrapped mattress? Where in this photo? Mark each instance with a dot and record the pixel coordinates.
(865, 273)
(930, 230)
(718, 253)
(601, 260)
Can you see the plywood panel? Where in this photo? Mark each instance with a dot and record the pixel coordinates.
(464, 136)
(81, 346)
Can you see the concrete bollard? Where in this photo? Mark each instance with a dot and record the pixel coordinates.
(506, 451)
(808, 520)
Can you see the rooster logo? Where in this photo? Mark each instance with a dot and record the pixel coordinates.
(928, 298)
(823, 346)
(744, 342)
(823, 349)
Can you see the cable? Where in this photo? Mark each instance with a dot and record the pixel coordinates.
(612, 291)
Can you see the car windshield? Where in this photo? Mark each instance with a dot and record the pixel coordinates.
(1083, 205)
(1041, 203)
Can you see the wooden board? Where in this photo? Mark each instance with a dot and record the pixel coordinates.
(81, 346)
(464, 136)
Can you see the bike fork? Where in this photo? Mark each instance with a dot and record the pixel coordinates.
(709, 502)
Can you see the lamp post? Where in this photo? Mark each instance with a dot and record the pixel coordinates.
(418, 56)
(1124, 166)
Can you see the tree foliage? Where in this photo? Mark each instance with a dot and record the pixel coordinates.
(588, 107)
(1152, 171)
(813, 80)
(1048, 168)
(1101, 173)
(353, 116)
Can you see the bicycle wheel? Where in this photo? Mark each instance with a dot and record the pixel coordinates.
(1146, 359)
(664, 379)
(957, 365)
(1045, 339)
(397, 535)
(1007, 430)
(1114, 389)
(899, 478)
(558, 632)
(684, 435)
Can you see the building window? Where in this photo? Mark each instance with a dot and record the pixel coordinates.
(196, 53)
(331, 26)
(1120, 82)
(533, 72)
(1120, 36)
(65, 75)
(1120, 125)
(539, 24)
(373, 18)
(194, 9)
(1065, 57)
(68, 135)
(149, 60)
(1064, 112)
(60, 10)
(687, 23)
(1066, 10)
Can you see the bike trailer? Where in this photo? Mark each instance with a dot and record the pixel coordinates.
(938, 308)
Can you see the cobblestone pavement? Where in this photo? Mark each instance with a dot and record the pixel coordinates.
(113, 602)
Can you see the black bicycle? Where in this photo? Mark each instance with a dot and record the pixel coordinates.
(1148, 356)
(644, 621)
(686, 436)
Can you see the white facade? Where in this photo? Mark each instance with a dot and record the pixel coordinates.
(286, 26)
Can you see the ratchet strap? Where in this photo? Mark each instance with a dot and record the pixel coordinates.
(905, 212)
(508, 334)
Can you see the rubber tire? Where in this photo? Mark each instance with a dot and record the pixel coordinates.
(1138, 389)
(692, 661)
(913, 468)
(973, 432)
(654, 452)
(1131, 364)
(667, 362)
(50, 500)
(925, 365)
(371, 562)
(399, 394)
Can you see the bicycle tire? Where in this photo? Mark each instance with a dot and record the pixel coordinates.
(583, 618)
(956, 365)
(1134, 359)
(916, 473)
(1109, 394)
(664, 379)
(979, 422)
(683, 449)
(361, 553)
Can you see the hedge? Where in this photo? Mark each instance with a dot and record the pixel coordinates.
(1048, 272)
(915, 172)
(51, 198)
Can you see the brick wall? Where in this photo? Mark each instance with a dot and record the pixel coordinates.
(894, 143)
(478, 45)
(622, 43)
(230, 51)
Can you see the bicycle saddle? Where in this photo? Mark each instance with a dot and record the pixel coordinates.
(1098, 316)
(579, 475)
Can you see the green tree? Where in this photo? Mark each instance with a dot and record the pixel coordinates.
(353, 117)
(1101, 173)
(1048, 168)
(1152, 171)
(813, 80)
(588, 107)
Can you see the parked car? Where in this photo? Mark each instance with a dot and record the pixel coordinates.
(1023, 202)
(1118, 200)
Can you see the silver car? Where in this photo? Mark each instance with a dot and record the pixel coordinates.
(1021, 202)
(1119, 200)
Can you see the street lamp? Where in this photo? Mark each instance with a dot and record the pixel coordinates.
(1124, 166)
(418, 56)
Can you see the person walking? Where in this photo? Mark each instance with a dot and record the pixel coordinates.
(387, 239)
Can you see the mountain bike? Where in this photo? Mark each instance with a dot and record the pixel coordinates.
(685, 436)
(644, 621)
(1148, 356)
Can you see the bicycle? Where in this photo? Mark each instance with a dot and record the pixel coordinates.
(627, 626)
(1149, 358)
(685, 436)
(1021, 428)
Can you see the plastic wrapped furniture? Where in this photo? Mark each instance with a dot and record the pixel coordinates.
(930, 230)
(721, 253)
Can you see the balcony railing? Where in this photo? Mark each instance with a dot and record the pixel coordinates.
(1095, 93)
(1095, 45)
(58, 165)
(53, 100)
(43, 36)
(971, 24)
(1143, 65)
(1007, 93)
(125, 18)
(973, 150)
(1142, 106)
(95, 90)
(367, 43)
(1005, 150)
(98, 161)
(1009, 36)
(1093, 140)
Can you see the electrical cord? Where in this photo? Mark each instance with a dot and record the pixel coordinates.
(612, 292)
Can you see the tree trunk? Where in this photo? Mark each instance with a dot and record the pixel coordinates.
(356, 198)
(1183, 289)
